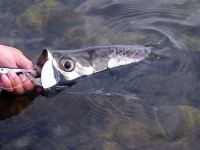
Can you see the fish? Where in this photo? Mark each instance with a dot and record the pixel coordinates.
(65, 66)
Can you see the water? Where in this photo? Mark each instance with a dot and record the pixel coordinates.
(151, 104)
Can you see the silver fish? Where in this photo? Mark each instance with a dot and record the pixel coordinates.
(59, 65)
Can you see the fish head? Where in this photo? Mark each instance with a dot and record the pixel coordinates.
(61, 68)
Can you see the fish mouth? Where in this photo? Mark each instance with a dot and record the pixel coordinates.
(49, 74)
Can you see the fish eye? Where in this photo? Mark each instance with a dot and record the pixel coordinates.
(67, 64)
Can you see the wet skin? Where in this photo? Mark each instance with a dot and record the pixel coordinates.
(12, 82)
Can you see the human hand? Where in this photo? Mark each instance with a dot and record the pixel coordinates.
(11, 82)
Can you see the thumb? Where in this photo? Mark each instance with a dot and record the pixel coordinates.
(23, 62)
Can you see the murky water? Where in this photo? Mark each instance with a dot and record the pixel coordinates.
(151, 104)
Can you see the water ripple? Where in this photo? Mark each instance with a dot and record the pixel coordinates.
(145, 14)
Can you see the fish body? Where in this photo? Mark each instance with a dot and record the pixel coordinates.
(59, 65)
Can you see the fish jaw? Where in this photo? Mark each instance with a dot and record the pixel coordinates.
(49, 75)
(52, 75)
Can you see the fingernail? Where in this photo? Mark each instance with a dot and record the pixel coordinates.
(4, 77)
(22, 77)
(12, 74)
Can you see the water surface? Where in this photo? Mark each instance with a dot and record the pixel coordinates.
(151, 104)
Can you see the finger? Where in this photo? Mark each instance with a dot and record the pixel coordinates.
(19, 60)
(7, 85)
(1, 83)
(16, 82)
(27, 83)
(23, 62)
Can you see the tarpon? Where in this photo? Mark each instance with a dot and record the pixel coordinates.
(65, 66)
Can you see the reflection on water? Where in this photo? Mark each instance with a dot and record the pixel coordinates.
(152, 104)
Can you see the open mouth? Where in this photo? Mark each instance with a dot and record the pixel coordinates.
(48, 71)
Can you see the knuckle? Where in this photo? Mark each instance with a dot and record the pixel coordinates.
(19, 91)
(28, 86)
